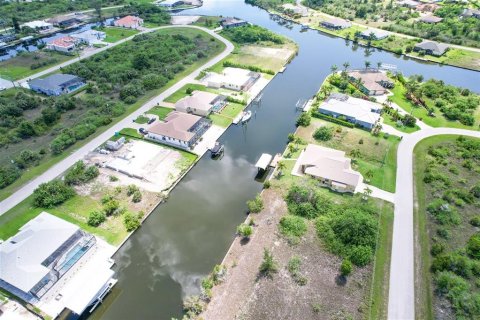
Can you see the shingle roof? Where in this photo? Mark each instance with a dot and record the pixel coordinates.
(436, 47)
(430, 19)
(176, 126)
(337, 22)
(54, 81)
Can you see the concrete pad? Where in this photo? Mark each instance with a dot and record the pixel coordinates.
(184, 20)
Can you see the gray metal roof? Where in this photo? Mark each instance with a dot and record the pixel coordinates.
(21, 256)
(54, 81)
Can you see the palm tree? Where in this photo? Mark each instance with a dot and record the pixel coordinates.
(334, 68)
(367, 64)
(355, 153)
(379, 65)
(280, 167)
(291, 148)
(369, 175)
(345, 66)
(366, 193)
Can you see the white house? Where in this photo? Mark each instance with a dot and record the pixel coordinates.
(90, 37)
(129, 22)
(360, 112)
(233, 78)
(39, 25)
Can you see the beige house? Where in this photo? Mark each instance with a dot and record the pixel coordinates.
(201, 103)
(329, 166)
(372, 82)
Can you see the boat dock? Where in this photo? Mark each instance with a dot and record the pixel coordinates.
(275, 160)
(264, 161)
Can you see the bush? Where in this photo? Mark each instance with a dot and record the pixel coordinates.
(95, 218)
(361, 255)
(332, 119)
(346, 267)
(244, 230)
(292, 226)
(255, 205)
(137, 196)
(80, 173)
(266, 184)
(131, 189)
(8, 174)
(268, 266)
(473, 246)
(131, 221)
(475, 221)
(51, 194)
(304, 120)
(323, 133)
(110, 207)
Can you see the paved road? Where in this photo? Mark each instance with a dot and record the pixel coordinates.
(401, 300)
(60, 167)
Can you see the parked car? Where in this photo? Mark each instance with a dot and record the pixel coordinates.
(151, 120)
(142, 131)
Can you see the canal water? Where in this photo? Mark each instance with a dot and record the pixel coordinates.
(185, 237)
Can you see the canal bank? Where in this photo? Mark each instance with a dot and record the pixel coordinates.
(185, 237)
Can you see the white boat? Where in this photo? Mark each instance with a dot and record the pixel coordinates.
(246, 116)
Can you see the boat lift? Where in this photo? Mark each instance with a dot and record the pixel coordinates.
(264, 161)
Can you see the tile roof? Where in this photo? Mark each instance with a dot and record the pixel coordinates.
(64, 42)
(176, 125)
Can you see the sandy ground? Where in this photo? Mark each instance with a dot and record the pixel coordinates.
(156, 165)
(245, 295)
(278, 53)
(12, 310)
(183, 20)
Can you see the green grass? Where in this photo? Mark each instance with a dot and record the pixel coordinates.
(141, 119)
(232, 110)
(130, 132)
(455, 57)
(439, 120)
(19, 67)
(381, 271)
(182, 92)
(115, 34)
(161, 112)
(220, 120)
(388, 120)
(52, 160)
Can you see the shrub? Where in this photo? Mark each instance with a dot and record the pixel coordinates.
(112, 178)
(255, 205)
(267, 184)
(110, 207)
(475, 221)
(8, 174)
(304, 120)
(193, 306)
(361, 255)
(52, 193)
(346, 267)
(137, 196)
(323, 133)
(268, 266)
(95, 218)
(437, 248)
(332, 119)
(244, 230)
(131, 221)
(292, 226)
(131, 189)
(473, 246)
(80, 173)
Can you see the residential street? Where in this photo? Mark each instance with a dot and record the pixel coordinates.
(60, 167)
(401, 304)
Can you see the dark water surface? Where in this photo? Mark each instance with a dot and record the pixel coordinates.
(185, 237)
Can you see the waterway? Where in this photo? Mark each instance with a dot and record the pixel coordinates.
(185, 237)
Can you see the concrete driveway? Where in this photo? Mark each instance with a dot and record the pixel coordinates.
(63, 165)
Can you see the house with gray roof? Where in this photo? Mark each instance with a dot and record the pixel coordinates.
(431, 47)
(57, 84)
(430, 19)
(374, 34)
(232, 22)
(335, 23)
(470, 13)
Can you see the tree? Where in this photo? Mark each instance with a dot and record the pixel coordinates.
(346, 267)
(52, 193)
(369, 175)
(244, 230)
(15, 24)
(334, 68)
(345, 66)
(323, 133)
(379, 65)
(255, 205)
(355, 153)
(95, 218)
(366, 193)
(280, 167)
(367, 64)
(131, 221)
(291, 149)
(304, 119)
(268, 266)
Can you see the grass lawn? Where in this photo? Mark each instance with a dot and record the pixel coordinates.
(161, 112)
(377, 154)
(220, 120)
(421, 113)
(20, 66)
(226, 116)
(115, 34)
(130, 132)
(210, 22)
(388, 120)
(456, 57)
(51, 160)
(141, 119)
(182, 92)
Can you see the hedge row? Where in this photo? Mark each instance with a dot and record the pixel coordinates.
(243, 66)
(332, 119)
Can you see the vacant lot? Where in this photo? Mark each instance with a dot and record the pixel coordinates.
(447, 195)
(28, 63)
(116, 34)
(374, 156)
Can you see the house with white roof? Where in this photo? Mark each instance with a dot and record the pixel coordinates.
(233, 78)
(39, 25)
(90, 37)
(360, 112)
(329, 166)
(36, 264)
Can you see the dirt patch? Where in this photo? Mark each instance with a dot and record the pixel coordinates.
(278, 53)
(245, 295)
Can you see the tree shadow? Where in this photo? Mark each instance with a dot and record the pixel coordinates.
(244, 241)
(341, 280)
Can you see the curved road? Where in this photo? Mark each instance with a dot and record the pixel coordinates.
(63, 165)
(401, 299)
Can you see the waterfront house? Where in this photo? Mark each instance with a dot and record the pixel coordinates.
(63, 44)
(427, 7)
(329, 166)
(201, 103)
(233, 78)
(335, 23)
(431, 47)
(54, 265)
(374, 34)
(230, 22)
(408, 4)
(430, 19)
(470, 13)
(67, 21)
(363, 113)
(39, 25)
(371, 82)
(170, 3)
(181, 130)
(295, 10)
(56, 84)
(129, 22)
(90, 37)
